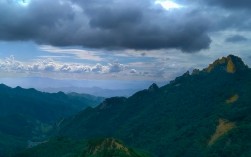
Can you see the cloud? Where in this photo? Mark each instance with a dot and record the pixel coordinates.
(49, 65)
(105, 24)
(156, 70)
(78, 53)
(228, 4)
(231, 4)
(236, 38)
(133, 71)
(223, 14)
(116, 67)
(10, 64)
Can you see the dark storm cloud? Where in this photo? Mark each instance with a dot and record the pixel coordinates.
(236, 38)
(113, 24)
(233, 14)
(224, 14)
(231, 4)
(35, 22)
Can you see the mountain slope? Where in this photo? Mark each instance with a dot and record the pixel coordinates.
(65, 147)
(195, 115)
(109, 147)
(29, 115)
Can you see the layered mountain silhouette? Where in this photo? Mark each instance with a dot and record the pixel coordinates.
(27, 115)
(202, 114)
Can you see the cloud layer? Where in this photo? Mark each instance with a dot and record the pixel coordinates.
(236, 38)
(107, 24)
(231, 4)
(49, 65)
(120, 24)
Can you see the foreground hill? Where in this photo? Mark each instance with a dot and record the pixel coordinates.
(203, 114)
(65, 147)
(27, 115)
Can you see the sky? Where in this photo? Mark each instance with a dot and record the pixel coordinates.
(119, 41)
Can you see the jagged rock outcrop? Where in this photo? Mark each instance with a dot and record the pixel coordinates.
(230, 64)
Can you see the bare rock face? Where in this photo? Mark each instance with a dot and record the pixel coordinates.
(230, 64)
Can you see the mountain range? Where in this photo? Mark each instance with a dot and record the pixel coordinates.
(205, 113)
(28, 115)
(93, 91)
(102, 88)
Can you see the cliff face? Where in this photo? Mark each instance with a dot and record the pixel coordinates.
(230, 64)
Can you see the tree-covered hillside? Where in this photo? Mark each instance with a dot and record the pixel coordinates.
(27, 116)
(206, 113)
(65, 147)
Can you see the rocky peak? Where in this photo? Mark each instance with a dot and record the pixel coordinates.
(230, 64)
(108, 147)
(153, 87)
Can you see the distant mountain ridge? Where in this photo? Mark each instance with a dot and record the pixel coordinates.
(100, 92)
(103, 88)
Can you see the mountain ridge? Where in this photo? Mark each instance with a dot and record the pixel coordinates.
(173, 111)
(30, 115)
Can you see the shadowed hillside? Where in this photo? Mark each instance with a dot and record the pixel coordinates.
(28, 116)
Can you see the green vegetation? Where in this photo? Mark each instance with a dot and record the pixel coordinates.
(109, 147)
(56, 147)
(87, 99)
(29, 115)
(65, 147)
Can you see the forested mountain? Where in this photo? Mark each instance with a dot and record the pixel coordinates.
(202, 114)
(27, 116)
(206, 113)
